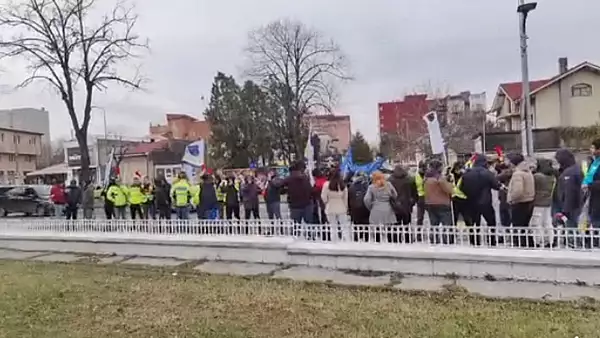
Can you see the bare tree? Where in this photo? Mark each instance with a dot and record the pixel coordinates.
(68, 51)
(304, 67)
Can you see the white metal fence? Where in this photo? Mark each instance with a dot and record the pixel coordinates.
(530, 238)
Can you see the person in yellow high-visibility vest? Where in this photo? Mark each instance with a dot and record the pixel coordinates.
(419, 182)
(220, 185)
(136, 198)
(459, 199)
(181, 194)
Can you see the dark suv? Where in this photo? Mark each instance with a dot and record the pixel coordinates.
(31, 200)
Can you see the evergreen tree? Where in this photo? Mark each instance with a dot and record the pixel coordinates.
(361, 151)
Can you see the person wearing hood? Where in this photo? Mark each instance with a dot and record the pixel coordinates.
(477, 185)
(161, 197)
(73, 197)
(300, 194)
(116, 194)
(419, 182)
(520, 196)
(438, 199)
(545, 182)
(568, 190)
(208, 204)
(87, 200)
(359, 213)
(407, 197)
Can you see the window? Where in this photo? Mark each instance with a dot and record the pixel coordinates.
(29, 158)
(1, 137)
(17, 139)
(32, 141)
(11, 158)
(581, 89)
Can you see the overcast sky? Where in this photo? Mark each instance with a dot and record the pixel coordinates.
(393, 46)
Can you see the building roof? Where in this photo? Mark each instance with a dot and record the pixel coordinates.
(147, 147)
(180, 116)
(20, 131)
(56, 169)
(514, 90)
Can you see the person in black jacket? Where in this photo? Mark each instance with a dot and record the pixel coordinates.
(232, 199)
(406, 188)
(162, 200)
(300, 194)
(477, 185)
(73, 194)
(209, 204)
(568, 190)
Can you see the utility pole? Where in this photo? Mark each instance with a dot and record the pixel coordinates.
(526, 117)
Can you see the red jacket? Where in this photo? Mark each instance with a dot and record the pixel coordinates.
(57, 194)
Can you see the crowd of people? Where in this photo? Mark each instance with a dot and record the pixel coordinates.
(461, 193)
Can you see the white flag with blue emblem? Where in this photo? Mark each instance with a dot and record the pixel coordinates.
(194, 154)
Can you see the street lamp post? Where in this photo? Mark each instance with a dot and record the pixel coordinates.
(526, 117)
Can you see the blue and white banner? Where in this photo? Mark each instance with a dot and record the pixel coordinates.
(194, 154)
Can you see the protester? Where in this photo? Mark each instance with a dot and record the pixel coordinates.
(591, 182)
(504, 175)
(208, 205)
(569, 193)
(220, 185)
(58, 198)
(299, 192)
(520, 196)
(181, 195)
(377, 199)
(250, 198)
(73, 198)
(419, 181)
(273, 196)
(335, 199)
(116, 194)
(544, 182)
(359, 213)
(232, 199)
(148, 207)
(161, 197)
(136, 198)
(477, 185)
(319, 215)
(87, 200)
(406, 188)
(460, 204)
(438, 199)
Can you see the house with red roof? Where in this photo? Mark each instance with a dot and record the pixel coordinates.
(570, 98)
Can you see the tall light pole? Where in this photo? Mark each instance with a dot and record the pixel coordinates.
(526, 117)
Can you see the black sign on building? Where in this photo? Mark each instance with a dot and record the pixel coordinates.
(73, 157)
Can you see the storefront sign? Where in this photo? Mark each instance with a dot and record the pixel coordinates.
(73, 157)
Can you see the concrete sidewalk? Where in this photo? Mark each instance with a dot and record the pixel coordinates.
(483, 287)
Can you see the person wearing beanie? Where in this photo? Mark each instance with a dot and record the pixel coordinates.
(520, 196)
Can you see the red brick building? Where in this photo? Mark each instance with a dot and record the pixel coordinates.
(180, 127)
(405, 117)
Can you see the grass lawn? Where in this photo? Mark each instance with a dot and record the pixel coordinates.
(81, 300)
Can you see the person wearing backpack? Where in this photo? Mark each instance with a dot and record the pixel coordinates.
(407, 197)
(359, 214)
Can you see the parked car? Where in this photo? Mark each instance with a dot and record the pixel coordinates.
(5, 188)
(32, 200)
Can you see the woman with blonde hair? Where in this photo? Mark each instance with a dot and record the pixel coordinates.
(378, 200)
